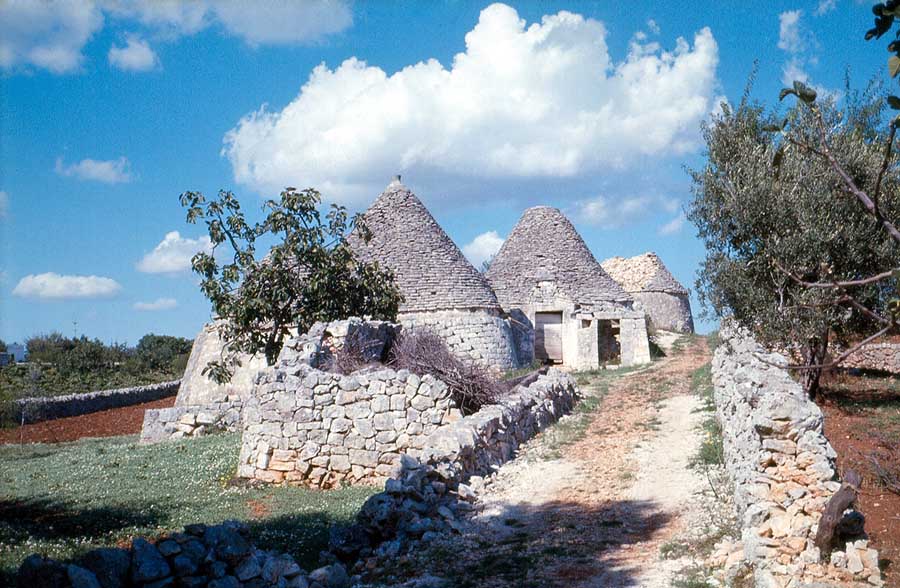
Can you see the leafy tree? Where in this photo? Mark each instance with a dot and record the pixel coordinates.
(2, 346)
(161, 352)
(310, 274)
(778, 223)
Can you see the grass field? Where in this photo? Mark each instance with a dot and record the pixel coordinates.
(63, 500)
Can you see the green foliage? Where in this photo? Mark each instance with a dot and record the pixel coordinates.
(63, 500)
(3, 348)
(59, 365)
(161, 352)
(310, 274)
(768, 207)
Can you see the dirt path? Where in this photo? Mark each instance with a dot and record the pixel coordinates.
(590, 502)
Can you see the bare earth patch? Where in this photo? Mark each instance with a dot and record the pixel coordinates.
(105, 423)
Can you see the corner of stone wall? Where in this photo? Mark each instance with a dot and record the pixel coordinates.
(782, 470)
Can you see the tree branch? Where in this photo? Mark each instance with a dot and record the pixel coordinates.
(850, 185)
(835, 362)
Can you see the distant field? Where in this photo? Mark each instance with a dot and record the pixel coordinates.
(27, 380)
(63, 500)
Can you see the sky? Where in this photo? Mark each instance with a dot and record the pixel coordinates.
(111, 109)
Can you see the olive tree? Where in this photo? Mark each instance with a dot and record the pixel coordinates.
(779, 222)
(309, 274)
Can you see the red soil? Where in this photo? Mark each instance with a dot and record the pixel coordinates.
(106, 423)
(854, 432)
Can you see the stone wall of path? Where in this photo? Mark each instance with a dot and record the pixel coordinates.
(783, 471)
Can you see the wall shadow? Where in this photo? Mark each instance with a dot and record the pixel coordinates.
(556, 544)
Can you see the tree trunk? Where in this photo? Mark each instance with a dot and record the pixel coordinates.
(814, 354)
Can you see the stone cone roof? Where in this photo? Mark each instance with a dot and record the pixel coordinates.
(429, 269)
(643, 273)
(544, 245)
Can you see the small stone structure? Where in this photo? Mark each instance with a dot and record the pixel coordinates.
(441, 289)
(880, 357)
(203, 405)
(646, 278)
(782, 469)
(545, 274)
(55, 407)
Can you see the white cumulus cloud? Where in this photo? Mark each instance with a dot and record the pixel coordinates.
(673, 226)
(282, 21)
(173, 254)
(789, 37)
(158, 304)
(825, 6)
(51, 34)
(483, 247)
(521, 101)
(612, 212)
(136, 55)
(113, 171)
(48, 35)
(53, 286)
(272, 22)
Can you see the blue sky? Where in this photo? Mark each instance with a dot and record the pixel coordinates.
(110, 110)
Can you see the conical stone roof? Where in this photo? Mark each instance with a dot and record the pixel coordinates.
(643, 273)
(544, 245)
(429, 269)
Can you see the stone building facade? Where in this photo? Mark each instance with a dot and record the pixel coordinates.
(441, 289)
(545, 274)
(646, 279)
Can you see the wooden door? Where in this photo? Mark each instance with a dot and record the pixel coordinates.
(548, 336)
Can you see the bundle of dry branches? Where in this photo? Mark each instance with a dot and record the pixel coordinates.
(423, 352)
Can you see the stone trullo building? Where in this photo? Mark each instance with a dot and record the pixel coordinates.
(442, 291)
(646, 278)
(582, 318)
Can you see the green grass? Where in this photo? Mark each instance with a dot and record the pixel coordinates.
(594, 386)
(63, 500)
(522, 371)
(711, 451)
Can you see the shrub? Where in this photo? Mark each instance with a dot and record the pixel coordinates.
(423, 352)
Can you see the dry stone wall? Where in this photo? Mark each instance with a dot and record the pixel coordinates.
(312, 427)
(882, 357)
(479, 336)
(782, 469)
(490, 437)
(669, 312)
(53, 407)
(305, 426)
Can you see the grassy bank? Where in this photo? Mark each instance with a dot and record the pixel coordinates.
(63, 500)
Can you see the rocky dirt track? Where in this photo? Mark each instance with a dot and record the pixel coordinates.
(591, 501)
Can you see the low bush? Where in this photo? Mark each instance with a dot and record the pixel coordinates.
(423, 352)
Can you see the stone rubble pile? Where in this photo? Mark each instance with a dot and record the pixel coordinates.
(783, 474)
(177, 422)
(219, 556)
